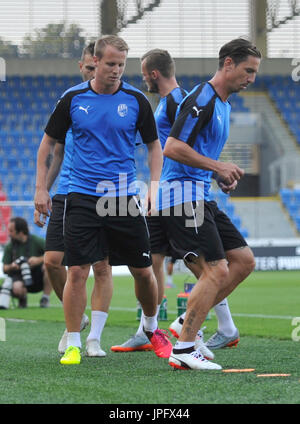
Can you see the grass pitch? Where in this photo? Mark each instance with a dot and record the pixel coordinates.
(262, 308)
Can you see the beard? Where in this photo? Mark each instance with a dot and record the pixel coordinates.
(153, 87)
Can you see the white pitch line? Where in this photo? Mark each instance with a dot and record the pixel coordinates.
(234, 314)
(20, 320)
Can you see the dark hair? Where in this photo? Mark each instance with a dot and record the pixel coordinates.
(89, 50)
(160, 60)
(238, 49)
(110, 40)
(20, 225)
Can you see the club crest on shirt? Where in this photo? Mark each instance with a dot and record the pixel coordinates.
(122, 110)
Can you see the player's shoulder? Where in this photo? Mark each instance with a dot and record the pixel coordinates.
(177, 94)
(202, 94)
(131, 90)
(78, 88)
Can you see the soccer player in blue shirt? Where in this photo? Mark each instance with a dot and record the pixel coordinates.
(198, 231)
(103, 213)
(54, 254)
(158, 70)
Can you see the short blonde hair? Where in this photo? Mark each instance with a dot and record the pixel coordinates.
(109, 40)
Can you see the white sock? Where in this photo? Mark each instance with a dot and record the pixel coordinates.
(225, 321)
(140, 330)
(98, 320)
(184, 345)
(169, 279)
(150, 323)
(74, 340)
(183, 315)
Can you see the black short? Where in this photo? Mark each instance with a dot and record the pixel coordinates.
(55, 229)
(159, 242)
(37, 275)
(210, 239)
(172, 260)
(90, 237)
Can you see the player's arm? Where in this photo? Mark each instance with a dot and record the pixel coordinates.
(155, 161)
(42, 200)
(53, 171)
(181, 152)
(58, 157)
(55, 130)
(148, 131)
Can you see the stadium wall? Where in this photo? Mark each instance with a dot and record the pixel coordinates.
(203, 66)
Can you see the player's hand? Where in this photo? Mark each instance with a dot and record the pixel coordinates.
(39, 219)
(227, 188)
(42, 202)
(150, 200)
(229, 172)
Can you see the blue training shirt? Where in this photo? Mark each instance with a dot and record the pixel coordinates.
(104, 128)
(203, 123)
(64, 178)
(166, 111)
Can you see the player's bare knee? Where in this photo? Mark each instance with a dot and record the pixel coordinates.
(247, 262)
(143, 275)
(51, 265)
(77, 275)
(219, 274)
(102, 270)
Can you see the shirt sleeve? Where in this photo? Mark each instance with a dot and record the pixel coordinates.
(146, 123)
(172, 106)
(60, 119)
(191, 119)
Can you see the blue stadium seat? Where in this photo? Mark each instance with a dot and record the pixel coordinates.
(244, 232)
(236, 220)
(286, 195)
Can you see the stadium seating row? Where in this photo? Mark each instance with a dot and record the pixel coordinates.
(290, 199)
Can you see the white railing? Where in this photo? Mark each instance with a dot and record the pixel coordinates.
(284, 172)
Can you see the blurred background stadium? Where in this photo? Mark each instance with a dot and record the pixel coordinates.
(41, 43)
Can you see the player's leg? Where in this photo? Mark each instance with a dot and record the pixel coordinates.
(227, 333)
(56, 271)
(241, 263)
(170, 270)
(84, 244)
(128, 238)
(158, 269)
(100, 301)
(146, 293)
(54, 248)
(158, 244)
(191, 243)
(184, 354)
(47, 289)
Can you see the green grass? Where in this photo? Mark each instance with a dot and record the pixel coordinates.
(30, 371)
